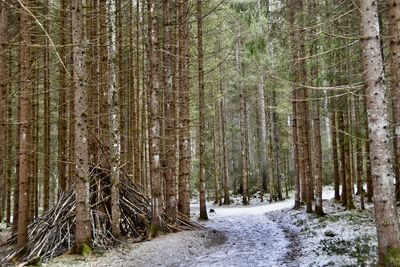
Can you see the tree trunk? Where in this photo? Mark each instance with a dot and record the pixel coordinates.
(317, 159)
(243, 121)
(202, 123)
(46, 115)
(25, 126)
(394, 33)
(170, 110)
(275, 132)
(335, 159)
(295, 77)
(62, 105)
(342, 157)
(386, 219)
(154, 123)
(93, 82)
(347, 160)
(263, 149)
(3, 102)
(302, 110)
(184, 112)
(113, 104)
(222, 122)
(83, 226)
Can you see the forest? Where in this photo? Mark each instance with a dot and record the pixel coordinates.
(199, 132)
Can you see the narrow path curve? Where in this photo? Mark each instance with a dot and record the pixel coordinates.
(253, 239)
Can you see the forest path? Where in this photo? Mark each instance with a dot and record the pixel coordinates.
(253, 239)
(234, 236)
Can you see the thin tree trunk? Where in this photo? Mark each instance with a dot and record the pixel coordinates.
(394, 33)
(93, 81)
(217, 151)
(3, 103)
(154, 123)
(386, 219)
(243, 121)
(46, 115)
(263, 149)
(81, 153)
(223, 143)
(342, 158)
(9, 153)
(359, 159)
(202, 125)
(335, 159)
(275, 132)
(113, 104)
(317, 159)
(347, 163)
(295, 77)
(62, 106)
(25, 127)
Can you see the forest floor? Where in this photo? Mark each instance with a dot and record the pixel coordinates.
(261, 234)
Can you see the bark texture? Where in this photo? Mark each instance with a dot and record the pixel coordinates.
(24, 127)
(381, 163)
(81, 155)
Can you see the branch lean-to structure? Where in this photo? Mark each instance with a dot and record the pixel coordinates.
(53, 233)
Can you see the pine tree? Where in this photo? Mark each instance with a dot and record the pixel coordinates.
(387, 224)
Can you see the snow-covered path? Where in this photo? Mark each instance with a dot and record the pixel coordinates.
(253, 239)
(235, 236)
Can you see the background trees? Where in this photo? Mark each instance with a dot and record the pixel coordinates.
(279, 86)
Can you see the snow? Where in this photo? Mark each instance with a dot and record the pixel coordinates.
(341, 238)
(253, 238)
(261, 234)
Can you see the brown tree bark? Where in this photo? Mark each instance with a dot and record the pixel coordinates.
(243, 121)
(46, 115)
(263, 148)
(113, 111)
(3, 103)
(81, 153)
(184, 112)
(342, 157)
(224, 159)
(335, 159)
(62, 104)
(92, 26)
(347, 161)
(303, 114)
(202, 122)
(295, 77)
(154, 123)
(25, 126)
(170, 108)
(276, 145)
(386, 219)
(394, 33)
(317, 160)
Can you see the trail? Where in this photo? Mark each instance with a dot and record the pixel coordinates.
(235, 236)
(253, 238)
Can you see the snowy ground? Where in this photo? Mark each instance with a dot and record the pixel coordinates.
(261, 234)
(341, 238)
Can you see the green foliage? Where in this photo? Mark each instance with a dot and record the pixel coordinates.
(393, 257)
(86, 250)
(359, 248)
